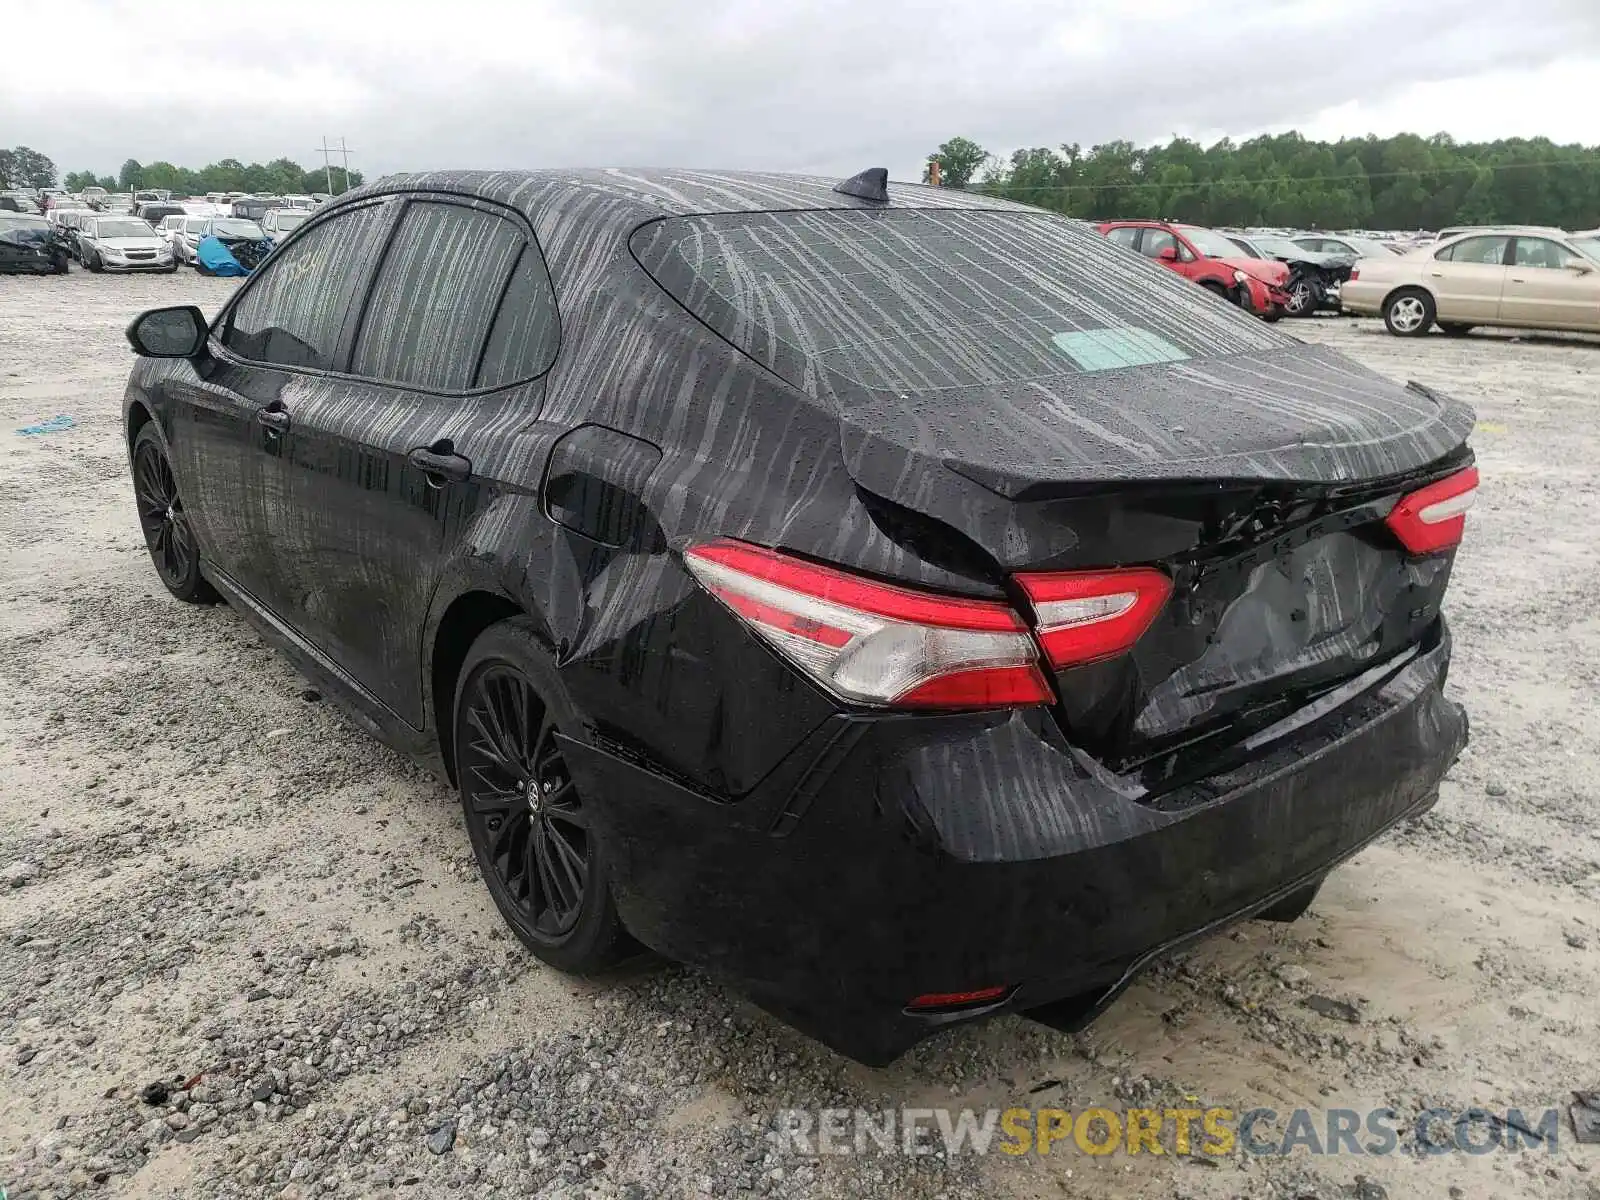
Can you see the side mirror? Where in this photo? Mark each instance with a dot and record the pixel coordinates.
(168, 332)
(1578, 267)
(1167, 254)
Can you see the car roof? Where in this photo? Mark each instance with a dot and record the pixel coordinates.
(1456, 230)
(1544, 231)
(627, 198)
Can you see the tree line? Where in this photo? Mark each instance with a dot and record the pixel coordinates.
(1287, 180)
(24, 167)
(1400, 182)
(279, 177)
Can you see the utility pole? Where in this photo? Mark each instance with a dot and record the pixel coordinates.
(345, 150)
(327, 162)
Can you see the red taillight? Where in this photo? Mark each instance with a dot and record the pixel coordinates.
(936, 1001)
(1355, 273)
(1086, 616)
(1433, 518)
(875, 643)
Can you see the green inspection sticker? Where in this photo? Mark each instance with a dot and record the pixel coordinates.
(1108, 349)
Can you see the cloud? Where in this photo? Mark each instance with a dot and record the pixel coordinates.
(831, 85)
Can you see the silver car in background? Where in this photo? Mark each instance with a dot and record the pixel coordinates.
(170, 227)
(186, 237)
(278, 223)
(122, 243)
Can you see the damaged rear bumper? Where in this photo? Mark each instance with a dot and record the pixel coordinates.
(890, 857)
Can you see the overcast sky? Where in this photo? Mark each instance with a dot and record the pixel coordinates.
(827, 85)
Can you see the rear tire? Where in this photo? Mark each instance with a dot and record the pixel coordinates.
(1409, 312)
(537, 840)
(168, 535)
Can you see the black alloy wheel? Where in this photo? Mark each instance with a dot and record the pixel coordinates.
(531, 831)
(168, 534)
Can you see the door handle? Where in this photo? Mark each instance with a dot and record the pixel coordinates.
(274, 416)
(440, 463)
(1518, 279)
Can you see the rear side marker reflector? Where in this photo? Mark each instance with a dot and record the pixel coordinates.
(875, 643)
(1433, 518)
(939, 1001)
(1087, 616)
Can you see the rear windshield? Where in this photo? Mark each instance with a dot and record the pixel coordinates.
(927, 299)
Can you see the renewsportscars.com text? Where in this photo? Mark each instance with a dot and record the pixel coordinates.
(1180, 1131)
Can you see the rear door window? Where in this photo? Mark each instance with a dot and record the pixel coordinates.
(436, 292)
(931, 299)
(1481, 251)
(296, 308)
(1126, 235)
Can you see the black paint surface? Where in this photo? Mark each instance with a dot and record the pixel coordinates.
(449, 398)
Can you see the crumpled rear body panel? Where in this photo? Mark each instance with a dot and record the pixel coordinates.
(1319, 612)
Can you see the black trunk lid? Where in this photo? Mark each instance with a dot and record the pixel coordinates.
(1039, 399)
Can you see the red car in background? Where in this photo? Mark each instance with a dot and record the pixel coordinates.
(1209, 259)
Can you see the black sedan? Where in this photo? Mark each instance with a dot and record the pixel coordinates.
(29, 244)
(902, 602)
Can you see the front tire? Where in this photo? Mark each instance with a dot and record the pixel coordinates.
(93, 262)
(536, 839)
(1409, 312)
(1273, 315)
(1305, 297)
(168, 535)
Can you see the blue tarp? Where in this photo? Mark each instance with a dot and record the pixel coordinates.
(214, 257)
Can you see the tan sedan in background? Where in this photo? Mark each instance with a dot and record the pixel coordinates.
(1511, 277)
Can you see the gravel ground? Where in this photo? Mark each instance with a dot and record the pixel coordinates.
(244, 952)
